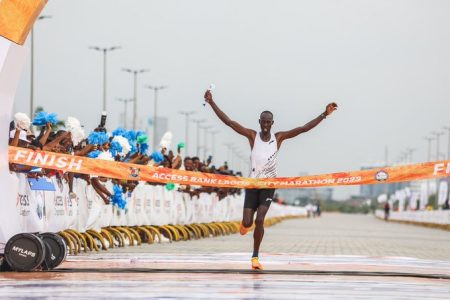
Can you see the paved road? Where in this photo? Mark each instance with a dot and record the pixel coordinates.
(331, 234)
(219, 286)
(333, 257)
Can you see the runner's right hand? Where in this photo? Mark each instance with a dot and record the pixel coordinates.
(208, 96)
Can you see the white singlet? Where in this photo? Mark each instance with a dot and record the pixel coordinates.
(264, 158)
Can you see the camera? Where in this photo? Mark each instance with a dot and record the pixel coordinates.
(103, 120)
(101, 126)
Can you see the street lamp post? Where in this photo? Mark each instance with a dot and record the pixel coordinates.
(448, 149)
(198, 122)
(229, 153)
(429, 140)
(213, 142)
(437, 134)
(125, 105)
(205, 140)
(448, 156)
(105, 51)
(237, 155)
(236, 158)
(32, 66)
(155, 108)
(186, 132)
(410, 152)
(135, 73)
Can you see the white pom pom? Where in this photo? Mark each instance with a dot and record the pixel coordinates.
(72, 123)
(105, 156)
(166, 140)
(77, 135)
(126, 147)
(22, 121)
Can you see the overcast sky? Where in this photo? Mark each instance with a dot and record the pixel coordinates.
(386, 64)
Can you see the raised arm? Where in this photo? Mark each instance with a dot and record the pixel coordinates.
(249, 133)
(48, 130)
(283, 135)
(49, 146)
(15, 140)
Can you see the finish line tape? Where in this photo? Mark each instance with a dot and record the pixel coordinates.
(120, 170)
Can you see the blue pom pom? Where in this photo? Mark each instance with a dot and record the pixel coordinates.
(115, 148)
(119, 132)
(131, 136)
(94, 154)
(98, 138)
(117, 198)
(133, 148)
(39, 119)
(42, 118)
(144, 148)
(51, 118)
(157, 157)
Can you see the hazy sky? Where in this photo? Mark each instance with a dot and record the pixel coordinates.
(386, 63)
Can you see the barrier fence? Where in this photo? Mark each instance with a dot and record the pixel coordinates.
(152, 213)
(434, 218)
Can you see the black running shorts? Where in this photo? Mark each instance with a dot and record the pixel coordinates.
(256, 197)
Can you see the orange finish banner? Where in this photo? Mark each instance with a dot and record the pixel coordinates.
(120, 170)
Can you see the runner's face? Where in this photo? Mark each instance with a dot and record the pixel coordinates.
(266, 122)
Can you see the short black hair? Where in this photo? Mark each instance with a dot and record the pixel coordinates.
(266, 112)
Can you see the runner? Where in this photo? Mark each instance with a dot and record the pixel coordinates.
(264, 149)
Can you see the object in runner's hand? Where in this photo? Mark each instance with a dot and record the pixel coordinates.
(211, 87)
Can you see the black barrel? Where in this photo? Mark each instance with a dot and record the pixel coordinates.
(25, 252)
(57, 250)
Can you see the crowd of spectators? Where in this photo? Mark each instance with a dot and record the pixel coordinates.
(44, 132)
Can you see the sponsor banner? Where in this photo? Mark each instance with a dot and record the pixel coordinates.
(119, 170)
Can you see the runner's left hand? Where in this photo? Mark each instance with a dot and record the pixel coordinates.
(330, 108)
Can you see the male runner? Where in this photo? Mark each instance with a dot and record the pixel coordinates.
(264, 145)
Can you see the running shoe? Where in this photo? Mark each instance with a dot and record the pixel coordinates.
(243, 230)
(255, 264)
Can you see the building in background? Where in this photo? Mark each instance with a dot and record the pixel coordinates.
(305, 195)
(163, 127)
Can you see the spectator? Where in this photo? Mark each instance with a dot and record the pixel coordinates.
(387, 209)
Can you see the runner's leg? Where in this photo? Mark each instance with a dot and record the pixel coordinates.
(247, 218)
(258, 233)
(251, 203)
